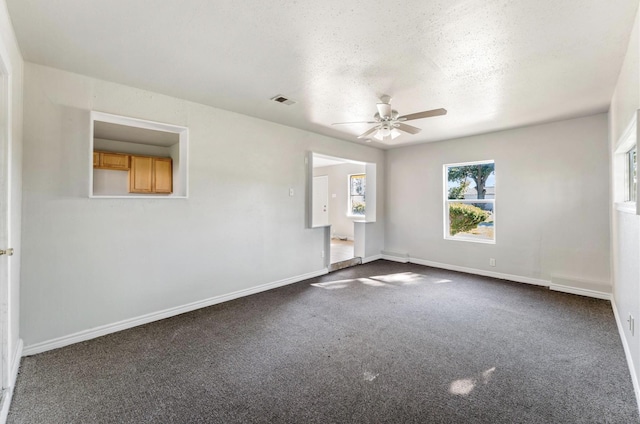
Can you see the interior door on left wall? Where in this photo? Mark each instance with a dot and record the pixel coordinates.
(320, 201)
(4, 221)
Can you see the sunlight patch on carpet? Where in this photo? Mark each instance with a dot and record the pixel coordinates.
(462, 387)
(409, 278)
(369, 376)
(341, 284)
(389, 280)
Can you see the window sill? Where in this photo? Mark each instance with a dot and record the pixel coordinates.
(134, 196)
(361, 217)
(470, 240)
(626, 207)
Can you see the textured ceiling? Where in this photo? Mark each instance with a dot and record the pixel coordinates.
(493, 64)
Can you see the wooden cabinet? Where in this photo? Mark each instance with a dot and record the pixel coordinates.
(108, 160)
(141, 175)
(163, 175)
(150, 175)
(147, 174)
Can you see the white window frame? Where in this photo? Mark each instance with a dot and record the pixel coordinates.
(626, 143)
(631, 177)
(447, 201)
(350, 213)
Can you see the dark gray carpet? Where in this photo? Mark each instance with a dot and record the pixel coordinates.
(377, 343)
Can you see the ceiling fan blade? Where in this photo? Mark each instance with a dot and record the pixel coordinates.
(384, 109)
(371, 131)
(408, 128)
(358, 122)
(425, 114)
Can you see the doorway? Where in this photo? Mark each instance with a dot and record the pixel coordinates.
(341, 250)
(338, 201)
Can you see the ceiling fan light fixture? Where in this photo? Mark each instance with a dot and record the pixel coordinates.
(384, 132)
(389, 124)
(384, 109)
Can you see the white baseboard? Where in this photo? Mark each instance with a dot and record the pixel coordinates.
(371, 258)
(581, 286)
(404, 258)
(7, 394)
(15, 364)
(499, 275)
(155, 316)
(581, 291)
(627, 352)
(395, 257)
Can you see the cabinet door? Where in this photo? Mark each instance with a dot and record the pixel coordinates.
(114, 161)
(163, 175)
(141, 175)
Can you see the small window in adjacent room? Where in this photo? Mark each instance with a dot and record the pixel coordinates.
(469, 205)
(632, 175)
(357, 189)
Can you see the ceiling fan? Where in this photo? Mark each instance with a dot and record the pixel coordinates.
(389, 123)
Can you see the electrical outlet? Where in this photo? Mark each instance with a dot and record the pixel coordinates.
(291, 192)
(492, 261)
(322, 254)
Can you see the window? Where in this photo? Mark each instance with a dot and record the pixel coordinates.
(357, 189)
(631, 175)
(115, 143)
(625, 170)
(469, 205)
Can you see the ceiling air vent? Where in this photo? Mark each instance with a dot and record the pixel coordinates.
(281, 99)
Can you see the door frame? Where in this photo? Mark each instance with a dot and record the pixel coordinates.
(370, 214)
(6, 97)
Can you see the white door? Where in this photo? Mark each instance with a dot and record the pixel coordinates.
(4, 219)
(320, 201)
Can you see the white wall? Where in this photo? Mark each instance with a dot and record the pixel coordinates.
(552, 217)
(341, 224)
(10, 48)
(91, 262)
(625, 242)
